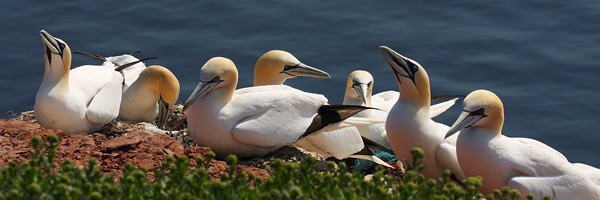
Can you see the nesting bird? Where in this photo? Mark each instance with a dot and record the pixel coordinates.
(254, 121)
(519, 163)
(149, 92)
(409, 122)
(151, 96)
(79, 100)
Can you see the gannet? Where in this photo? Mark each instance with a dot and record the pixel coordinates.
(78, 100)
(359, 89)
(519, 163)
(275, 66)
(254, 121)
(130, 65)
(151, 96)
(409, 123)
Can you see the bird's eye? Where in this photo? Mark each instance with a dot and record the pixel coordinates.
(413, 68)
(355, 83)
(369, 84)
(216, 79)
(288, 67)
(481, 111)
(61, 45)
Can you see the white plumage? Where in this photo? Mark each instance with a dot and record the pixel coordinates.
(519, 163)
(409, 122)
(251, 121)
(78, 100)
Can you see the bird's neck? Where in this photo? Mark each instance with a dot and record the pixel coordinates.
(419, 97)
(56, 74)
(263, 79)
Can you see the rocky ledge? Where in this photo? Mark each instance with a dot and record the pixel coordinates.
(141, 144)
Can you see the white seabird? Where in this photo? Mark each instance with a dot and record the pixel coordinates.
(519, 163)
(275, 66)
(359, 89)
(254, 121)
(409, 123)
(78, 100)
(151, 96)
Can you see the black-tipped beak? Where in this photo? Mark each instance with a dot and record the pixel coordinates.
(402, 66)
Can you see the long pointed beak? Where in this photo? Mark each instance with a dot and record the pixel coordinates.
(50, 42)
(397, 62)
(202, 89)
(163, 113)
(305, 70)
(465, 120)
(362, 90)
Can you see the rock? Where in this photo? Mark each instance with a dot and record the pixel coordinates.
(123, 141)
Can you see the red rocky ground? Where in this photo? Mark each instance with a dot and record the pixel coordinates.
(121, 142)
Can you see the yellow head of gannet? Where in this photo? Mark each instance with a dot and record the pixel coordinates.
(151, 96)
(412, 78)
(520, 163)
(483, 110)
(359, 88)
(218, 74)
(409, 121)
(78, 100)
(253, 121)
(57, 59)
(275, 66)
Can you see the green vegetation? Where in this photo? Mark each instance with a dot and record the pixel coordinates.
(36, 179)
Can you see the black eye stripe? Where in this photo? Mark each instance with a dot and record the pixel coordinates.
(480, 111)
(413, 68)
(215, 79)
(61, 46)
(288, 67)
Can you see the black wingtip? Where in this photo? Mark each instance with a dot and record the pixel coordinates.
(99, 57)
(135, 52)
(331, 114)
(446, 97)
(371, 144)
(122, 67)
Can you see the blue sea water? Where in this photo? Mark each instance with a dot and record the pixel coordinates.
(541, 58)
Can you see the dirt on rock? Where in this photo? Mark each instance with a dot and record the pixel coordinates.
(142, 144)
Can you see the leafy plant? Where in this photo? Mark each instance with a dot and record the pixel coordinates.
(36, 179)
